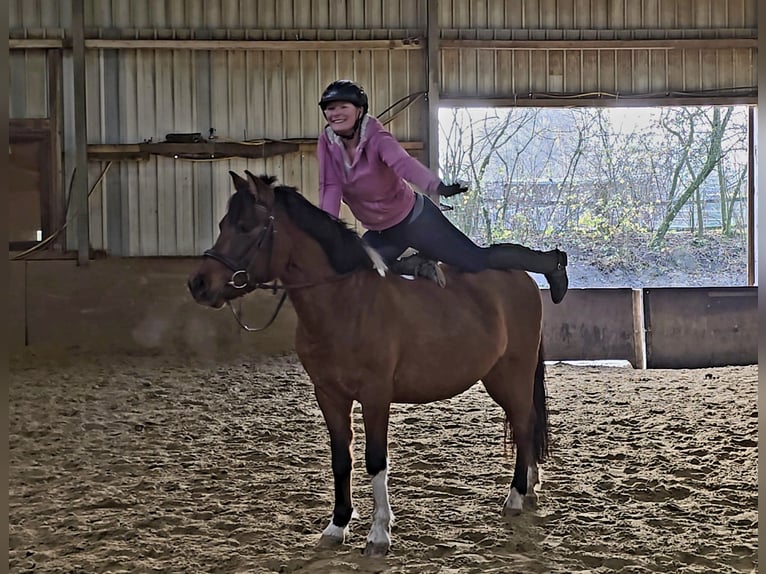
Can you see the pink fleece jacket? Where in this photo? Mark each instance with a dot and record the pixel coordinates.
(375, 185)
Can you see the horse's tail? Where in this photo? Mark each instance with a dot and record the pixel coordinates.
(541, 432)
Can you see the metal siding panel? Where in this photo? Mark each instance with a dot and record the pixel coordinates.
(651, 14)
(633, 15)
(667, 14)
(165, 167)
(147, 174)
(745, 70)
(17, 96)
(692, 70)
(129, 118)
(485, 72)
(49, 14)
(274, 98)
(478, 14)
(399, 85)
(599, 15)
(450, 72)
(504, 72)
(565, 14)
(14, 14)
(363, 72)
(468, 71)
(294, 125)
(641, 71)
(702, 13)
(36, 76)
(573, 71)
(121, 15)
(548, 13)
(675, 73)
(183, 122)
(736, 14)
(658, 70)
(30, 14)
(684, 14)
(590, 71)
(749, 13)
(709, 69)
(317, 16)
(204, 222)
(416, 117)
(521, 71)
(624, 72)
(245, 99)
(582, 14)
(530, 14)
(96, 132)
(607, 65)
(538, 71)
(554, 72)
(112, 126)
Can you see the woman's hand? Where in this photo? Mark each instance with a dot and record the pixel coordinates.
(451, 189)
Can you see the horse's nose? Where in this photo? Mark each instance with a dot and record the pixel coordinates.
(196, 285)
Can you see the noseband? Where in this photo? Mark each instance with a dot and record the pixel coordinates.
(240, 278)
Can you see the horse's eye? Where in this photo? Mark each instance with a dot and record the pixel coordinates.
(243, 227)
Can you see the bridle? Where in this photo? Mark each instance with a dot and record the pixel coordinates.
(240, 278)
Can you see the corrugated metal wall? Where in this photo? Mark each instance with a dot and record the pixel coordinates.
(171, 207)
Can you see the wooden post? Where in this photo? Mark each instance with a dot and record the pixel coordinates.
(639, 336)
(79, 200)
(434, 80)
(751, 198)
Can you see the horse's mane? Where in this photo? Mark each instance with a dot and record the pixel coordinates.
(344, 248)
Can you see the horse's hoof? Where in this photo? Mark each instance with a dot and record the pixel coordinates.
(329, 541)
(514, 504)
(376, 549)
(509, 511)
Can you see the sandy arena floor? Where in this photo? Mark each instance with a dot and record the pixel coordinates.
(164, 464)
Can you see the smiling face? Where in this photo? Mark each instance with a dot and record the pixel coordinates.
(342, 116)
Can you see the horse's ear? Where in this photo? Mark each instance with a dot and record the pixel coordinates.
(240, 183)
(262, 191)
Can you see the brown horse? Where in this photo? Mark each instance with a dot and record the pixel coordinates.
(378, 339)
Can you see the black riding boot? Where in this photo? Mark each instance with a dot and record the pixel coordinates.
(552, 264)
(418, 266)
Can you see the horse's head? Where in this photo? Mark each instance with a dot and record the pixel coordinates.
(241, 258)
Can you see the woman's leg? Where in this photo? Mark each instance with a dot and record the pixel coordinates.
(435, 237)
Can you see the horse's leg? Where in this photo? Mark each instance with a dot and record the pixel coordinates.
(510, 385)
(337, 416)
(376, 459)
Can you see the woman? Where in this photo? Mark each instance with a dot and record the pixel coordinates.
(361, 163)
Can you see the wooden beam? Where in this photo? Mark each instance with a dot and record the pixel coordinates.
(403, 44)
(665, 44)
(208, 150)
(80, 186)
(752, 198)
(267, 45)
(433, 70)
(607, 101)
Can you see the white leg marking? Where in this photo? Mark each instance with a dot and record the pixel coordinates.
(514, 503)
(533, 480)
(379, 538)
(335, 533)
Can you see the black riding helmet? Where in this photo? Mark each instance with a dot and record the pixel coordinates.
(344, 91)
